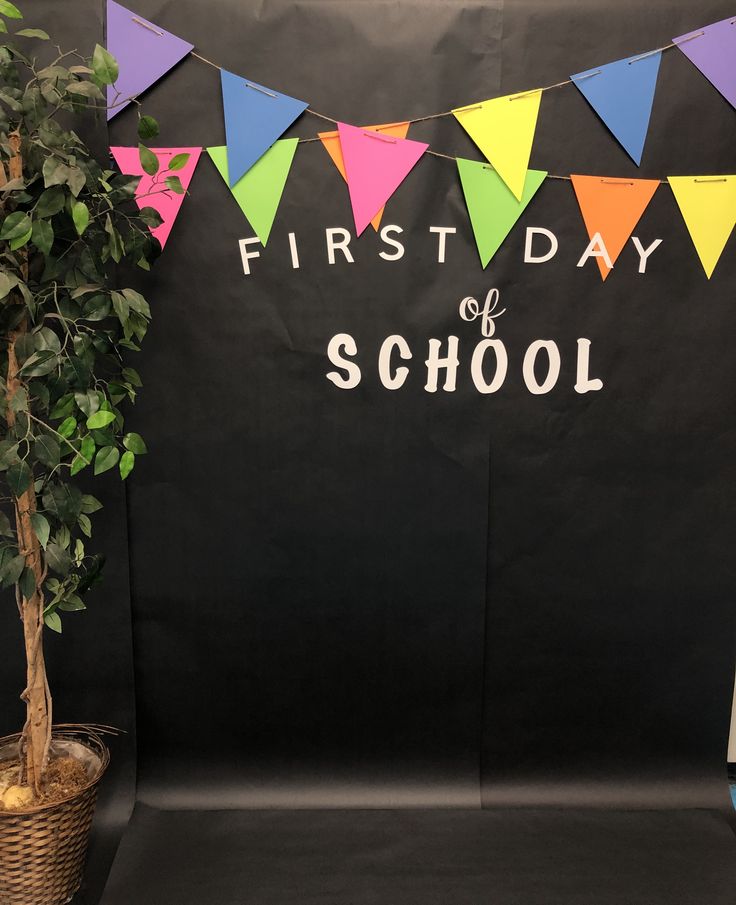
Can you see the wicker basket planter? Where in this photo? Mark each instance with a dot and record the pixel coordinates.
(43, 848)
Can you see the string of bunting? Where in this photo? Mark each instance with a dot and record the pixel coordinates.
(375, 159)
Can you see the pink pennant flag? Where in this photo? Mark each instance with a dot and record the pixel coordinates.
(375, 166)
(152, 191)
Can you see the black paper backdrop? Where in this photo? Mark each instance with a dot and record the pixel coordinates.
(311, 613)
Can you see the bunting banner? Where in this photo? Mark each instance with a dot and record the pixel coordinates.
(492, 208)
(259, 191)
(611, 208)
(331, 142)
(622, 94)
(375, 166)
(503, 128)
(152, 191)
(254, 118)
(374, 160)
(708, 207)
(713, 50)
(144, 53)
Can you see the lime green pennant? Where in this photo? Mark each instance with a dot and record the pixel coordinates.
(492, 206)
(258, 192)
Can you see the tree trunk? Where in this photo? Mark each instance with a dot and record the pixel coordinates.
(36, 737)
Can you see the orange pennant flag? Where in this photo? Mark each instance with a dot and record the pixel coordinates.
(611, 208)
(331, 142)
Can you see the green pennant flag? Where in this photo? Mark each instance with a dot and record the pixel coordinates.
(492, 206)
(259, 191)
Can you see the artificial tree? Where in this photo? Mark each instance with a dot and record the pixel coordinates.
(66, 222)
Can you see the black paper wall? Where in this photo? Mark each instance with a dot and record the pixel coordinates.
(336, 593)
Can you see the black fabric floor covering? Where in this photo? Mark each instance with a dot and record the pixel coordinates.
(424, 857)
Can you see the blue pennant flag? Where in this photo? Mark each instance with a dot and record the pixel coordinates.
(622, 94)
(255, 117)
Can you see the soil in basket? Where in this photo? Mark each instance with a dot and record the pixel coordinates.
(64, 777)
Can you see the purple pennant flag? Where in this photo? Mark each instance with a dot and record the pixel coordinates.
(144, 52)
(713, 50)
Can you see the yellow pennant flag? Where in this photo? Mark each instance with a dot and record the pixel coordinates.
(708, 207)
(503, 128)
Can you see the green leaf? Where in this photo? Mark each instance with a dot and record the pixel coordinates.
(127, 463)
(12, 569)
(134, 442)
(104, 65)
(20, 241)
(76, 180)
(58, 559)
(8, 453)
(27, 583)
(33, 33)
(15, 225)
(42, 236)
(67, 427)
(131, 375)
(10, 10)
(8, 281)
(147, 128)
(47, 451)
(85, 88)
(80, 215)
(87, 401)
(85, 524)
(121, 306)
(50, 202)
(151, 217)
(106, 458)
(116, 243)
(53, 621)
(41, 527)
(137, 302)
(64, 502)
(99, 419)
(19, 477)
(5, 529)
(19, 402)
(40, 363)
(148, 159)
(63, 407)
(97, 308)
(178, 161)
(173, 183)
(90, 504)
(72, 604)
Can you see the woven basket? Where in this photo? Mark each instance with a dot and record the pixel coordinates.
(43, 849)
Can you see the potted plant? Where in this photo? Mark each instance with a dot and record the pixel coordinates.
(66, 222)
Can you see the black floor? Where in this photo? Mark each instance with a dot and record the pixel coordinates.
(430, 857)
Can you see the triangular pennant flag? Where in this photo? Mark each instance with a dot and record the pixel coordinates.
(611, 208)
(375, 166)
(503, 128)
(713, 50)
(144, 52)
(152, 190)
(259, 192)
(622, 94)
(331, 142)
(708, 207)
(254, 118)
(492, 207)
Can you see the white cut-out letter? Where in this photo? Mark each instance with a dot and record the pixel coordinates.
(553, 371)
(339, 342)
(396, 380)
(449, 363)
